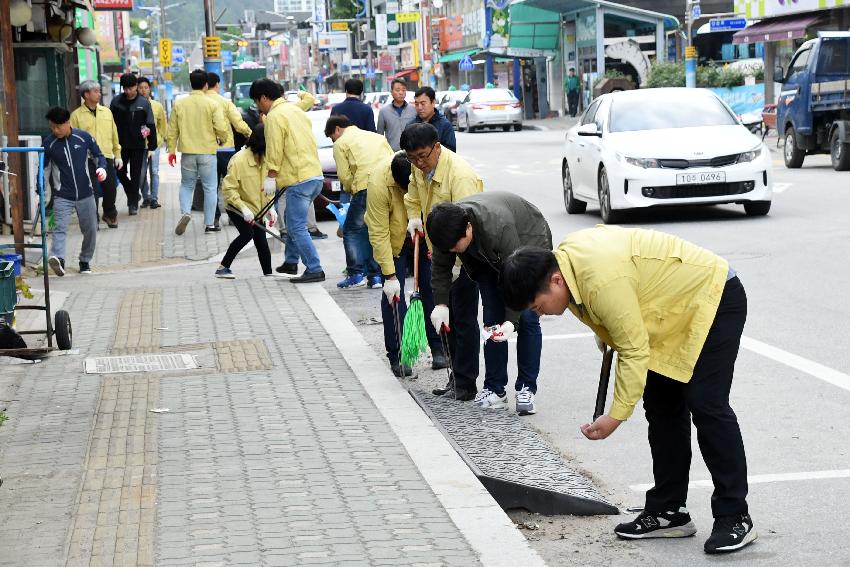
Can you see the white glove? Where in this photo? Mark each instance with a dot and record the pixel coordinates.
(269, 186)
(271, 216)
(119, 163)
(100, 173)
(247, 214)
(599, 344)
(413, 225)
(440, 316)
(392, 289)
(502, 333)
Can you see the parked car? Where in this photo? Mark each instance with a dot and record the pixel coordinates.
(376, 100)
(332, 187)
(334, 99)
(449, 103)
(662, 147)
(321, 101)
(489, 108)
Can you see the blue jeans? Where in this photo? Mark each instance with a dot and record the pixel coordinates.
(529, 339)
(150, 189)
(193, 166)
(299, 245)
(390, 333)
(355, 239)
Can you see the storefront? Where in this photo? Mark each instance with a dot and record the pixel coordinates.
(461, 34)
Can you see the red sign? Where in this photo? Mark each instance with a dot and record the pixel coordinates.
(451, 33)
(122, 5)
(284, 54)
(386, 62)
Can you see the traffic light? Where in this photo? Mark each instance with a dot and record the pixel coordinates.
(212, 47)
(274, 43)
(242, 43)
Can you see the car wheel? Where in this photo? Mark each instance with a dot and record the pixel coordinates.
(757, 208)
(517, 127)
(469, 127)
(793, 154)
(573, 205)
(838, 152)
(506, 128)
(609, 216)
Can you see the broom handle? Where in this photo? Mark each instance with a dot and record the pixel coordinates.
(416, 262)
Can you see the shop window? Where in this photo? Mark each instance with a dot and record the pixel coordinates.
(40, 85)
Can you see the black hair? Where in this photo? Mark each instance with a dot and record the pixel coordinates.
(336, 121)
(264, 87)
(257, 140)
(129, 80)
(400, 168)
(212, 79)
(418, 135)
(58, 115)
(427, 91)
(198, 79)
(446, 224)
(525, 274)
(353, 87)
(399, 81)
(143, 80)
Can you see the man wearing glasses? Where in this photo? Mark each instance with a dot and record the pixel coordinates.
(439, 175)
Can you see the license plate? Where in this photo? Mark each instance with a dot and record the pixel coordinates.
(336, 186)
(497, 107)
(700, 178)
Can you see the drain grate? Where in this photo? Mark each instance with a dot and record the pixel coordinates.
(140, 363)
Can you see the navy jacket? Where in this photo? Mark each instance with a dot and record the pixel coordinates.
(445, 131)
(70, 155)
(360, 113)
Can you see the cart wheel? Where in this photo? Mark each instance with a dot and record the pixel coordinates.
(62, 329)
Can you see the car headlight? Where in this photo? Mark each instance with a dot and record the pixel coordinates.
(645, 163)
(750, 155)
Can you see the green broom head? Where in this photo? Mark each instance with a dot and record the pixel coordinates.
(414, 340)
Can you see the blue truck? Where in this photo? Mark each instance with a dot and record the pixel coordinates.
(813, 110)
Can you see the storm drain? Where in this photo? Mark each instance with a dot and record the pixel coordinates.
(140, 363)
(512, 461)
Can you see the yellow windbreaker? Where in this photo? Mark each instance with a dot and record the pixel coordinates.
(290, 146)
(198, 123)
(651, 296)
(233, 117)
(160, 120)
(243, 184)
(101, 126)
(357, 153)
(385, 216)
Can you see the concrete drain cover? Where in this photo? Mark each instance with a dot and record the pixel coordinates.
(140, 363)
(512, 461)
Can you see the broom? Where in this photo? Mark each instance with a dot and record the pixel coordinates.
(414, 340)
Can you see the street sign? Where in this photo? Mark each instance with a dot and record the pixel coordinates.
(466, 64)
(227, 59)
(690, 52)
(331, 41)
(165, 52)
(728, 25)
(339, 26)
(697, 12)
(407, 17)
(174, 69)
(370, 73)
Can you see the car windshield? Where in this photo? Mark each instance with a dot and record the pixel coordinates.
(242, 90)
(491, 95)
(318, 119)
(834, 56)
(645, 113)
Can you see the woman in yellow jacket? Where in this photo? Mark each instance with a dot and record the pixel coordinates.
(243, 192)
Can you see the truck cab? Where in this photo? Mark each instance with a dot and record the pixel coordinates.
(813, 110)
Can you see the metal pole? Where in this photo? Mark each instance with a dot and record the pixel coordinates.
(16, 197)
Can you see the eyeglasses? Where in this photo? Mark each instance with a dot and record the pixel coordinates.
(420, 158)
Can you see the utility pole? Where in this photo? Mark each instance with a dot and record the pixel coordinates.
(212, 43)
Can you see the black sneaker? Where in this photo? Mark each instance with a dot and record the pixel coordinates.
(658, 524)
(309, 277)
(730, 533)
(57, 265)
(401, 370)
(286, 269)
(155, 204)
(132, 211)
(439, 361)
(450, 385)
(317, 234)
(212, 228)
(85, 268)
(146, 203)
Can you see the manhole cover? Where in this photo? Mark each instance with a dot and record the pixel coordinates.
(140, 363)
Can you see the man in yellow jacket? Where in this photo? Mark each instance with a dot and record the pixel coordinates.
(441, 175)
(150, 182)
(357, 153)
(97, 120)
(386, 218)
(674, 313)
(198, 123)
(292, 159)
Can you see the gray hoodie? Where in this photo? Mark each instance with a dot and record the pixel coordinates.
(391, 124)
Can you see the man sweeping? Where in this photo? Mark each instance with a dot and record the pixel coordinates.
(674, 313)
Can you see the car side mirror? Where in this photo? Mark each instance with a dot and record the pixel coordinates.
(778, 74)
(589, 129)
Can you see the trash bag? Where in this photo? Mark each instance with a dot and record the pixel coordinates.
(9, 337)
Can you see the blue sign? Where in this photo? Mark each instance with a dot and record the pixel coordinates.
(466, 64)
(370, 73)
(728, 25)
(746, 99)
(174, 69)
(177, 50)
(697, 11)
(227, 59)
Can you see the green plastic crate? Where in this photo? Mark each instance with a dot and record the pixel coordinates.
(8, 295)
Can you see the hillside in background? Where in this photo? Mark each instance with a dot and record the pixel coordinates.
(186, 22)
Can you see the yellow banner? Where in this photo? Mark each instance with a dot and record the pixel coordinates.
(339, 26)
(407, 17)
(165, 52)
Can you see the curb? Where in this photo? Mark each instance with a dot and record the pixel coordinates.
(489, 531)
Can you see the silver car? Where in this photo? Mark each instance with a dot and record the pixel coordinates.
(489, 108)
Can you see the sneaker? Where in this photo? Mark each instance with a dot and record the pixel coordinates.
(146, 203)
(525, 402)
(111, 222)
(134, 210)
(401, 370)
(658, 524)
(85, 268)
(287, 270)
(213, 228)
(225, 274)
(309, 277)
(490, 400)
(730, 533)
(350, 282)
(57, 265)
(155, 204)
(439, 361)
(182, 224)
(376, 282)
(317, 234)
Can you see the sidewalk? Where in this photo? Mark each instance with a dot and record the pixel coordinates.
(292, 444)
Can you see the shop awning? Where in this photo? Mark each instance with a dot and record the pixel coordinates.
(776, 29)
(404, 73)
(572, 6)
(532, 28)
(457, 55)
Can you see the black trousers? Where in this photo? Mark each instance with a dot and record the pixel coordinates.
(572, 102)
(670, 405)
(464, 338)
(134, 165)
(105, 191)
(246, 233)
(222, 160)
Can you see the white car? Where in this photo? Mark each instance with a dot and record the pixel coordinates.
(660, 147)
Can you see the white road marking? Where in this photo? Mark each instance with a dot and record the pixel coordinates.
(781, 187)
(763, 478)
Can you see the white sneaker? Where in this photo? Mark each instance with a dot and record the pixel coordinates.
(490, 400)
(525, 402)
